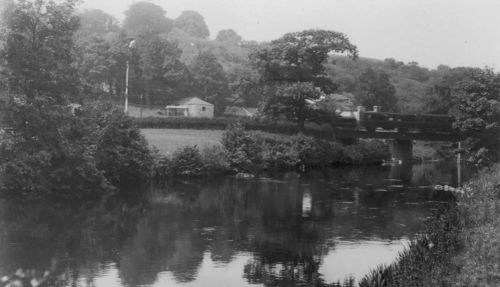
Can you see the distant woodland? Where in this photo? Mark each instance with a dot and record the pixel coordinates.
(175, 58)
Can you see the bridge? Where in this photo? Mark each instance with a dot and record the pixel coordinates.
(402, 129)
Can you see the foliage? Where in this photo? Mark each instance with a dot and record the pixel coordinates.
(242, 149)
(215, 161)
(122, 153)
(228, 36)
(38, 50)
(186, 162)
(58, 161)
(290, 100)
(428, 258)
(294, 63)
(477, 115)
(210, 80)
(192, 23)
(375, 89)
(459, 246)
(144, 18)
(156, 71)
(299, 56)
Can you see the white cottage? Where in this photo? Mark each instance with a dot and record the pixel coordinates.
(191, 107)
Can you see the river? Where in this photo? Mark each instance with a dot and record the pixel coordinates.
(287, 230)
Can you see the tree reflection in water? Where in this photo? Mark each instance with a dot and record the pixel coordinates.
(287, 224)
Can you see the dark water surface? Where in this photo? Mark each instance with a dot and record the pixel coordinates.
(283, 231)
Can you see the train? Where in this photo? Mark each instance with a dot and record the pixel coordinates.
(405, 122)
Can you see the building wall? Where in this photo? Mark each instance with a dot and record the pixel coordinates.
(201, 111)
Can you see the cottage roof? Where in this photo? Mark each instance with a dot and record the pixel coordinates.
(191, 101)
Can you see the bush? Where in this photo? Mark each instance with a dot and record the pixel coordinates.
(186, 162)
(243, 152)
(122, 152)
(215, 161)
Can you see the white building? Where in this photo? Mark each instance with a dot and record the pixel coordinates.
(191, 107)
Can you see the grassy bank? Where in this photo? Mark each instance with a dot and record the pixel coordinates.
(209, 152)
(460, 247)
(167, 141)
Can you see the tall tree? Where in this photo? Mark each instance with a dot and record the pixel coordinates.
(291, 100)
(478, 114)
(228, 36)
(157, 72)
(39, 46)
(211, 80)
(300, 57)
(96, 23)
(376, 89)
(192, 23)
(46, 150)
(145, 17)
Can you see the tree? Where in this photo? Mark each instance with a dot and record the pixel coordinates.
(157, 72)
(96, 23)
(228, 36)
(375, 89)
(478, 114)
(299, 57)
(39, 46)
(290, 100)
(144, 17)
(296, 61)
(211, 81)
(47, 149)
(192, 23)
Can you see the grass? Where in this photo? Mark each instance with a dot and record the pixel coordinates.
(168, 141)
(461, 247)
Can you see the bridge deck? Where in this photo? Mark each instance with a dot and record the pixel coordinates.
(343, 133)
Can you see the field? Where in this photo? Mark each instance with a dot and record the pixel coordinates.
(168, 141)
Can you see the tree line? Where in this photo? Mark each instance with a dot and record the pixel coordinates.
(52, 56)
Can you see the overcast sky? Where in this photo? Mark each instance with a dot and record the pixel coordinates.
(430, 32)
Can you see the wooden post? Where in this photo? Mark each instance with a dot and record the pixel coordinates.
(459, 166)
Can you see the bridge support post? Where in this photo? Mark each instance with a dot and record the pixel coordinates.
(402, 150)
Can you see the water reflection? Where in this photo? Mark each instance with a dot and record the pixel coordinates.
(287, 230)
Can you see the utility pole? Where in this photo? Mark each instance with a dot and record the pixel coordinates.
(130, 45)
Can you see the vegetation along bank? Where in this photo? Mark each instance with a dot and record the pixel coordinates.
(460, 246)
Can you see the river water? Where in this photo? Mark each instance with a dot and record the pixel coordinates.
(287, 230)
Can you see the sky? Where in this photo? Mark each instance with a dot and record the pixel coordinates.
(430, 32)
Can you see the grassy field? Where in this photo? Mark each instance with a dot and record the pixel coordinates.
(168, 141)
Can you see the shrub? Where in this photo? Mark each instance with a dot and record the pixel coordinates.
(244, 154)
(186, 162)
(122, 152)
(373, 151)
(48, 151)
(215, 161)
(279, 156)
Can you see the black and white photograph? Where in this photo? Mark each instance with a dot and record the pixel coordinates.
(249, 143)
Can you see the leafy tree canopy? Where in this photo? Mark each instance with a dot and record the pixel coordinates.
(211, 80)
(290, 100)
(38, 49)
(145, 17)
(300, 56)
(375, 89)
(478, 114)
(96, 22)
(229, 36)
(193, 23)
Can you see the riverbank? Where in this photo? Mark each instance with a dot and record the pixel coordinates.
(460, 247)
(252, 152)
